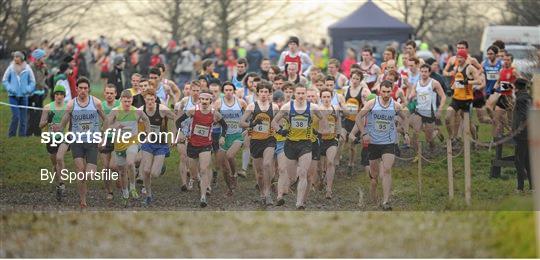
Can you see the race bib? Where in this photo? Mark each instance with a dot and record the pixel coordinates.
(232, 124)
(201, 130)
(331, 127)
(492, 76)
(299, 123)
(155, 128)
(423, 97)
(85, 125)
(263, 127)
(382, 125)
(458, 85)
(352, 108)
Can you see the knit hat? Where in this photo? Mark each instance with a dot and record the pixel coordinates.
(118, 60)
(18, 54)
(59, 88)
(38, 54)
(294, 39)
(462, 53)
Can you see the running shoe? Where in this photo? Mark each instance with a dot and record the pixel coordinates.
(184, 188)
(134, 193)
(208, 191)
(143, 191)
(147, 201)
(328, 195)
(59, 193)
(386, 206)
(109, 196)
(280, 202)
(190, 184)
(269, 201)
(204, 203)
(214, 178)
(242, 173)
(300, 207)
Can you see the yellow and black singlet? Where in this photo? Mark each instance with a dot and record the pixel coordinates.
(300, 124)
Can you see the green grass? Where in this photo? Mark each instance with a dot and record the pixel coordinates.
(498, 224)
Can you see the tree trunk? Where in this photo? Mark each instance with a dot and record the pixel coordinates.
(175, 20)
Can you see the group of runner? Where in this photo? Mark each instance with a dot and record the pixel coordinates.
(293, 125)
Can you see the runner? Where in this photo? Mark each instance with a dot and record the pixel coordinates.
(199, 145)
(105, 151)
(329, 139)
(465, 76)
(294, 55)
(85, 112)
(52, 115)
(165, 84)
(381, 134)
(314, 73)
(126, 118)
(262, 141)
(241, 71)
(314, 180)
(138, 99)
(163, 91)
(187, 103)
(333, 70)
(155, 150)
(284, 179)
(232, 109)
(135, 80)
(292, 74)
(504, 97)
(426, 111)
(355, 96)
(368, 67)
(298, 146)
(215, 89)
(278, 82)
(389, 54)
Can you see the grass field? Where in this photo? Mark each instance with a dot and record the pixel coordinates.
(499, 222)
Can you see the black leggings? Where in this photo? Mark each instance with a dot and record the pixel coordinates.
(523, 164)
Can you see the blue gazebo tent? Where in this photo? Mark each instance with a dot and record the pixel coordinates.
(368, 25)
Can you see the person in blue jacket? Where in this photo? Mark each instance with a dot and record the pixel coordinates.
(19, 82)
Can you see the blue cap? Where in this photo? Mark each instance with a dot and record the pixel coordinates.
(38, 53)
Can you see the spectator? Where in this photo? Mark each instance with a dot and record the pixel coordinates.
(117, 74)
(522, 159)
(254, 58)
(348, 61)
(72, 75)
(60, 78)
(19, 82)
(36, 99)
(184, 66)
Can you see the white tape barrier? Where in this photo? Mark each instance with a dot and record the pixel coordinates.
(28, 107)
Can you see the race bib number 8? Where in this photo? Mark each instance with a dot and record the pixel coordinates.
(201, 130)
(299, 123)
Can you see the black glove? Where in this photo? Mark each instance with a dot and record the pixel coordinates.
(50, 117)
(282, 132)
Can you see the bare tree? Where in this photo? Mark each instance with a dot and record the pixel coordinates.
(238, 18)
(26, 16)
(522, 12)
